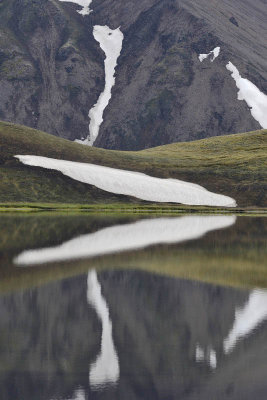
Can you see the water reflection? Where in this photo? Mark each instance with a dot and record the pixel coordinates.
(126, 334)
(247, 318)
(105, 370)
(209, 355)
(169, 335)
(128, 237)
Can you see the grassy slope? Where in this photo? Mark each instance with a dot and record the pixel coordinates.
(234, 165)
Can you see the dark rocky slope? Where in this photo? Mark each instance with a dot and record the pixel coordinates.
(163, 92)
(51, 68)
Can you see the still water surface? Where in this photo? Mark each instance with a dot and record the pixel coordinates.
(105, 307)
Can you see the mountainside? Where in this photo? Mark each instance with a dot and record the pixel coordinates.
(163, 92)
(52, 68)
(232, 165)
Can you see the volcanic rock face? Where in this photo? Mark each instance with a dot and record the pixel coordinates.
(52, 69)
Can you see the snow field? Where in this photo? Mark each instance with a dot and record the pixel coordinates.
(131, 183)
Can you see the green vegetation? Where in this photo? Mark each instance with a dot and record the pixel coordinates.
(234, 165)
(235, 256)
(126, 208)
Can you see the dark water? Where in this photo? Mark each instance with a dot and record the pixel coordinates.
(122, 308)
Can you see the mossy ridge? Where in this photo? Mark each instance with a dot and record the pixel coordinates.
(234, 165)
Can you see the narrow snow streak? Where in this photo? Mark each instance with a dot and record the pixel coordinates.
(111, 43)
(255, 99)
(213, 54)
(83, 3)
(132, 183)
(247, 318)
(126, 237)
(105, 370)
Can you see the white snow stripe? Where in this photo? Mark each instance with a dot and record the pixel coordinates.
(127, 237)
(83, 3)
(255, 99)
(105, 370)
(111, 43)
(132, 183)
(214, 53)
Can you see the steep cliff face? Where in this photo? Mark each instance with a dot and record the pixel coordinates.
(164, 93)
(52, 69)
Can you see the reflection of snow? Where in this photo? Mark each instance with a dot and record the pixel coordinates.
(209, 356)
(111, 43)
(247, 318)
(79, 394)
(213, 54)
(83, 3)
(200, 355)
(132, 236)
(105, 370)
(255, 99)
(213, 359)
(131, 183)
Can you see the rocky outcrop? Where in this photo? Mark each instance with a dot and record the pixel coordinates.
(52, 69)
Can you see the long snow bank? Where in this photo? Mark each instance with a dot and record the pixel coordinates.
(132, 183)
(247, 318)
(127, 237)
(255, 99)
(213, 54)
(105, 370)
(83, 3)
(111, 43)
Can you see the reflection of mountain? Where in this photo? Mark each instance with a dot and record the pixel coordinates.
(128, 237)
(50, 338)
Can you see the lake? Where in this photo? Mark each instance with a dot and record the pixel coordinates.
(133, 307)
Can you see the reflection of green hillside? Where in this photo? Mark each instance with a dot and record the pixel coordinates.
(233, 165)
(234, 256)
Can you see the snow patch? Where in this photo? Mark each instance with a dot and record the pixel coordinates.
(83, 3)
(132, 183)
(127, 237)
(105, 370)
(255, 99)
(213, 54)
(111, 43)
(247, 318)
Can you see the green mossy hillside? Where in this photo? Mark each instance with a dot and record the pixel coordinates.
(234, 165)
